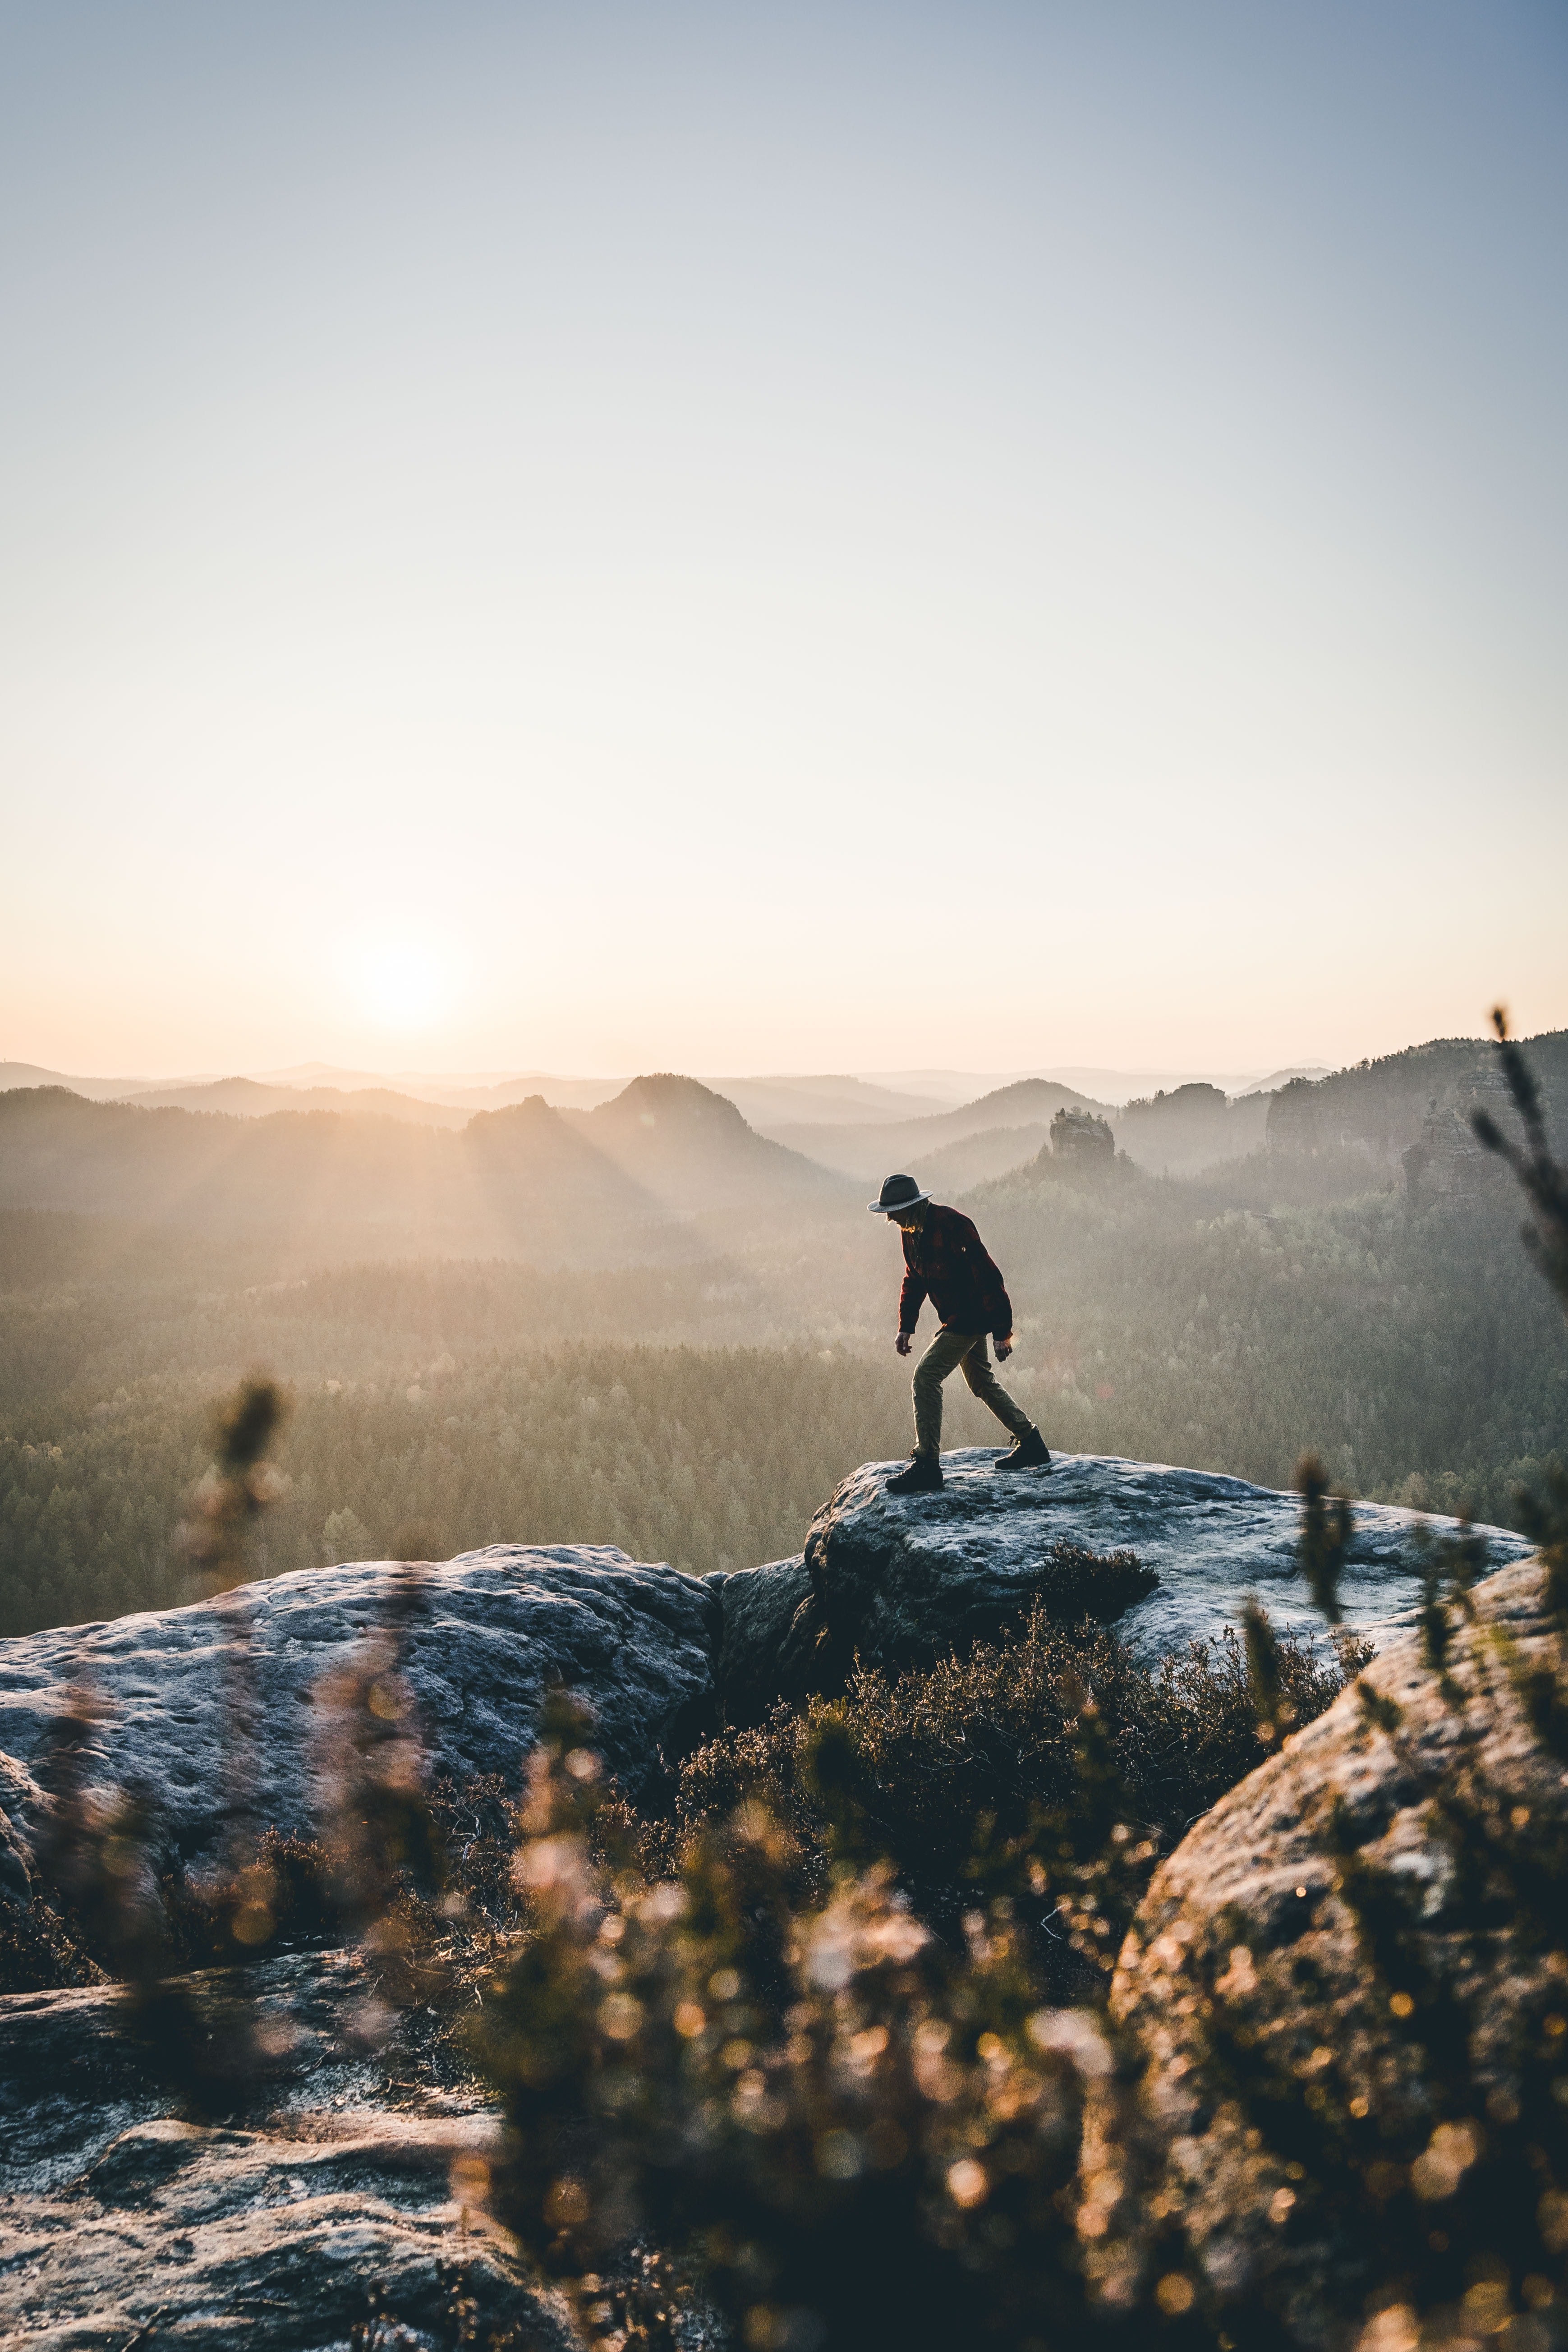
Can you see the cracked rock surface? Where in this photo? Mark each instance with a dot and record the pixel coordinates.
(337, 2189)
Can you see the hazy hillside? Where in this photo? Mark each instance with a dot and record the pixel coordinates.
(248, 1098)
(1386, 1107)
(467, 1095)
(598, 1187)
(694, 1152)
(1278, 1078)
(31, 1073)
(976, 1159)
(869, 1153)
(1416, 1348)
(1156, 1318)
(324, 1085)
(437, 1100)
(771, 1103)
(1192, 1128)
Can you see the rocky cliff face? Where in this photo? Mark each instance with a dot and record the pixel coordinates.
(1446, 1164)
(482, 1637)
(340, 2180)
(897, 1580)
(1348, 1986)
(1419, 1100)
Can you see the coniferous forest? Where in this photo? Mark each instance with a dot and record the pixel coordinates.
(696, 1407)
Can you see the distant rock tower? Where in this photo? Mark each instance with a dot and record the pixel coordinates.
(1078, 1135)
(1449, 1167)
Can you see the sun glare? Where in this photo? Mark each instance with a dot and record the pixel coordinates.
(404, 983)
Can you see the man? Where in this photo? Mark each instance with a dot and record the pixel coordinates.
(945, 1261)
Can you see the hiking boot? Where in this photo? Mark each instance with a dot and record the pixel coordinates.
(923, 1476)
(1029, 1453)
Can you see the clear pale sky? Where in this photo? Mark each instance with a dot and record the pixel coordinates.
(786, 536)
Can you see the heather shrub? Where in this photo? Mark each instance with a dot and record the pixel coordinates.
(282, 1900)
(38, 1951)
(808, 2034)
(851, 2134)
(1380, 2071)
(968, 1775)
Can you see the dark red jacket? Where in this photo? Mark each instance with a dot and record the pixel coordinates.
(947, 1263)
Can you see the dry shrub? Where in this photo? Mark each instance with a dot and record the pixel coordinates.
(805, 2034)
(853, 2135)
(969, 1777)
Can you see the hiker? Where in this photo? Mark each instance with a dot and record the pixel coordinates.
(945, 1261)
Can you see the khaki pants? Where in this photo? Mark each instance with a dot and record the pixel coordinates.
(946, 1353)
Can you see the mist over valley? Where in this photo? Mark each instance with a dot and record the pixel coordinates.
(550, 1322)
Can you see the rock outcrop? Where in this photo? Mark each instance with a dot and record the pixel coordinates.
(898, 1580)
(483, 1636)
(1368, 1928)
(895, 1580)
(336, 2185)
(1449, 1165)
(344, 2176)
(1078, 1135)
(348, 2183)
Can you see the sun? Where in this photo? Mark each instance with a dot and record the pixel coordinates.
(404, 983)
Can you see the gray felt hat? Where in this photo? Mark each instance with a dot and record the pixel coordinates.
(898, 1192)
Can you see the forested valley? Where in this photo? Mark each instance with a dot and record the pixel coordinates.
(697, 1407)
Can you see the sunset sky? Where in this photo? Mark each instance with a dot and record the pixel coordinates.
(763, 536)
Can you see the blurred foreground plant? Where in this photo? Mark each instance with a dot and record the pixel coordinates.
(241, 1485)
(103, 1910)
(852, 2134)
(1386, 2067)
(377, 1871)
(1543, 1180)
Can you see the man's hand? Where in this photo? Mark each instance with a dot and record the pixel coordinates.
(902, 1343)
(1004, 1349)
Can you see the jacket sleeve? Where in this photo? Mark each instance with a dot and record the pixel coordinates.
(911, 1298)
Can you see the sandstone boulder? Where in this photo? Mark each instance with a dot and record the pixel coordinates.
(898, 1580)
(484, 1635)
(1348, 1988)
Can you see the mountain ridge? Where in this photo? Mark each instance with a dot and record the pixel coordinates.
(869, 1154)
(524, 1180)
